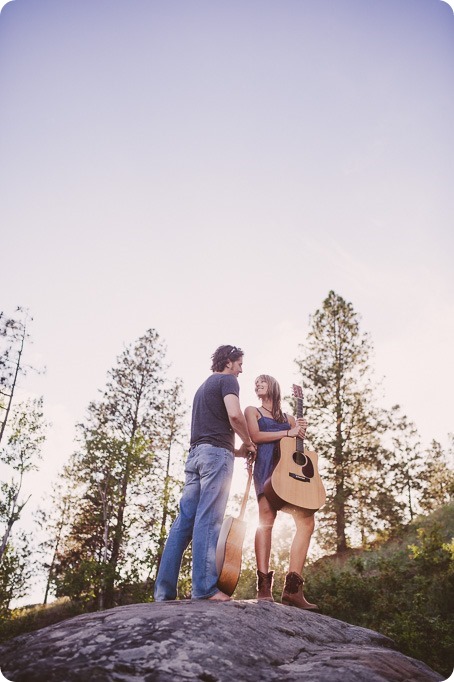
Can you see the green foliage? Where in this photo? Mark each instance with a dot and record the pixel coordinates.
(405, 462)
(377, 474)
(246, 588)
(345, 423)
(122, 480)
(22, 432)
(15, 572)
(25, 435)
(82, 580)
(404, 589)
(34, 617)
(437, 476)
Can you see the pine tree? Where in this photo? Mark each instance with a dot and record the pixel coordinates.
(437, 476)
(25, 436)
(13, 334)
(15, 571)
(117, 475)
(52, 522)
(406, 462)
(345, 423)
(173, 412)
(22, 433)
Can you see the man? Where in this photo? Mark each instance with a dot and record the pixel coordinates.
(216, 418)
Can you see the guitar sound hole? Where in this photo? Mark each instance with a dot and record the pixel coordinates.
(299, 458)
(304, 462)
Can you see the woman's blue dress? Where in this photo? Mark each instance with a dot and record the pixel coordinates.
(265, 461)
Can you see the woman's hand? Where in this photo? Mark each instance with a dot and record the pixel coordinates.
(299, 430)
(294, 432)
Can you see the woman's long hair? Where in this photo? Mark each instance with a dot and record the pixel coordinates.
(274, 393)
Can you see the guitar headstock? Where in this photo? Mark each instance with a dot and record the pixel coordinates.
(297, 391)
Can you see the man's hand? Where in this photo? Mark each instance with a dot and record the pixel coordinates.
(246, 450)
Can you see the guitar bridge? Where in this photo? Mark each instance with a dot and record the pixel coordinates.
(304, 479)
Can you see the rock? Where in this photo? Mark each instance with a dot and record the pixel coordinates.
(213, 642)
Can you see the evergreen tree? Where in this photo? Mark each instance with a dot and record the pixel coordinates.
(345, 423)
(24, 440)
(52, 522)
(15, 571)
(117, 476)
(173, 412)
(13, 334)
(437, 476)
(173, 415)
(406, 467)
(22, 432)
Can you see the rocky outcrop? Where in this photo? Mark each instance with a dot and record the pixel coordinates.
(214, 642)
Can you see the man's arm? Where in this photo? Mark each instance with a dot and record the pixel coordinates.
(238, 424)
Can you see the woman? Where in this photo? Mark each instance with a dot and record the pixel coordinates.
(267, 424)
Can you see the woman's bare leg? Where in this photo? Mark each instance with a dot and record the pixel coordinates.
(304, 521)
(263, 534)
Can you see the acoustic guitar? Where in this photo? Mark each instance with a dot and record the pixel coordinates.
(229, 550)
(295, 481)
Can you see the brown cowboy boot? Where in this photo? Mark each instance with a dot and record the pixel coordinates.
(264, 585)
(292, 594)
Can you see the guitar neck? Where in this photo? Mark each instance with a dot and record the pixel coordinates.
(299, 414)
(246, 494)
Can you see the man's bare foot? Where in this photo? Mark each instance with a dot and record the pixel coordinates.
(219, 596)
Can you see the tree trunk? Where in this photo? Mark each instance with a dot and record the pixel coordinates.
(339, 499)
(410, 507)
(57, 545)
(341, 539)
(49, 576)
(105, 515)
(118, 533)
(116, 541)
(165, 509)
(13, 386)
(13, 517)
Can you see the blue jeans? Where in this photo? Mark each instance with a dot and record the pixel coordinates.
(209, 472)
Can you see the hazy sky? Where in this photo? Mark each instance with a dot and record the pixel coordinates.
(213, 169)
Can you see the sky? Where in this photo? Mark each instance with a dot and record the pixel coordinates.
(212, 169)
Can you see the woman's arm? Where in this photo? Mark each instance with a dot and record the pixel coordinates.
(253, 415)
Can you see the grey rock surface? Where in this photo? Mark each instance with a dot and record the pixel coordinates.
(213, 642)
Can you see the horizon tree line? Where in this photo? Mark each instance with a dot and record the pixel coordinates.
(117, 495)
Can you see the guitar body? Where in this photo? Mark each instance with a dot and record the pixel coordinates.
(229, 552)
(295, 480)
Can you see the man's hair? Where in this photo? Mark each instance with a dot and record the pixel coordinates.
(222, 355)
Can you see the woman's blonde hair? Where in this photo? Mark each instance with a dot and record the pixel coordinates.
(274, 393)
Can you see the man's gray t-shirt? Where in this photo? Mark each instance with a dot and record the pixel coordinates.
(210, 421)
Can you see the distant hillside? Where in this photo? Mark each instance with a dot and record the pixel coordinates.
(402, 587)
